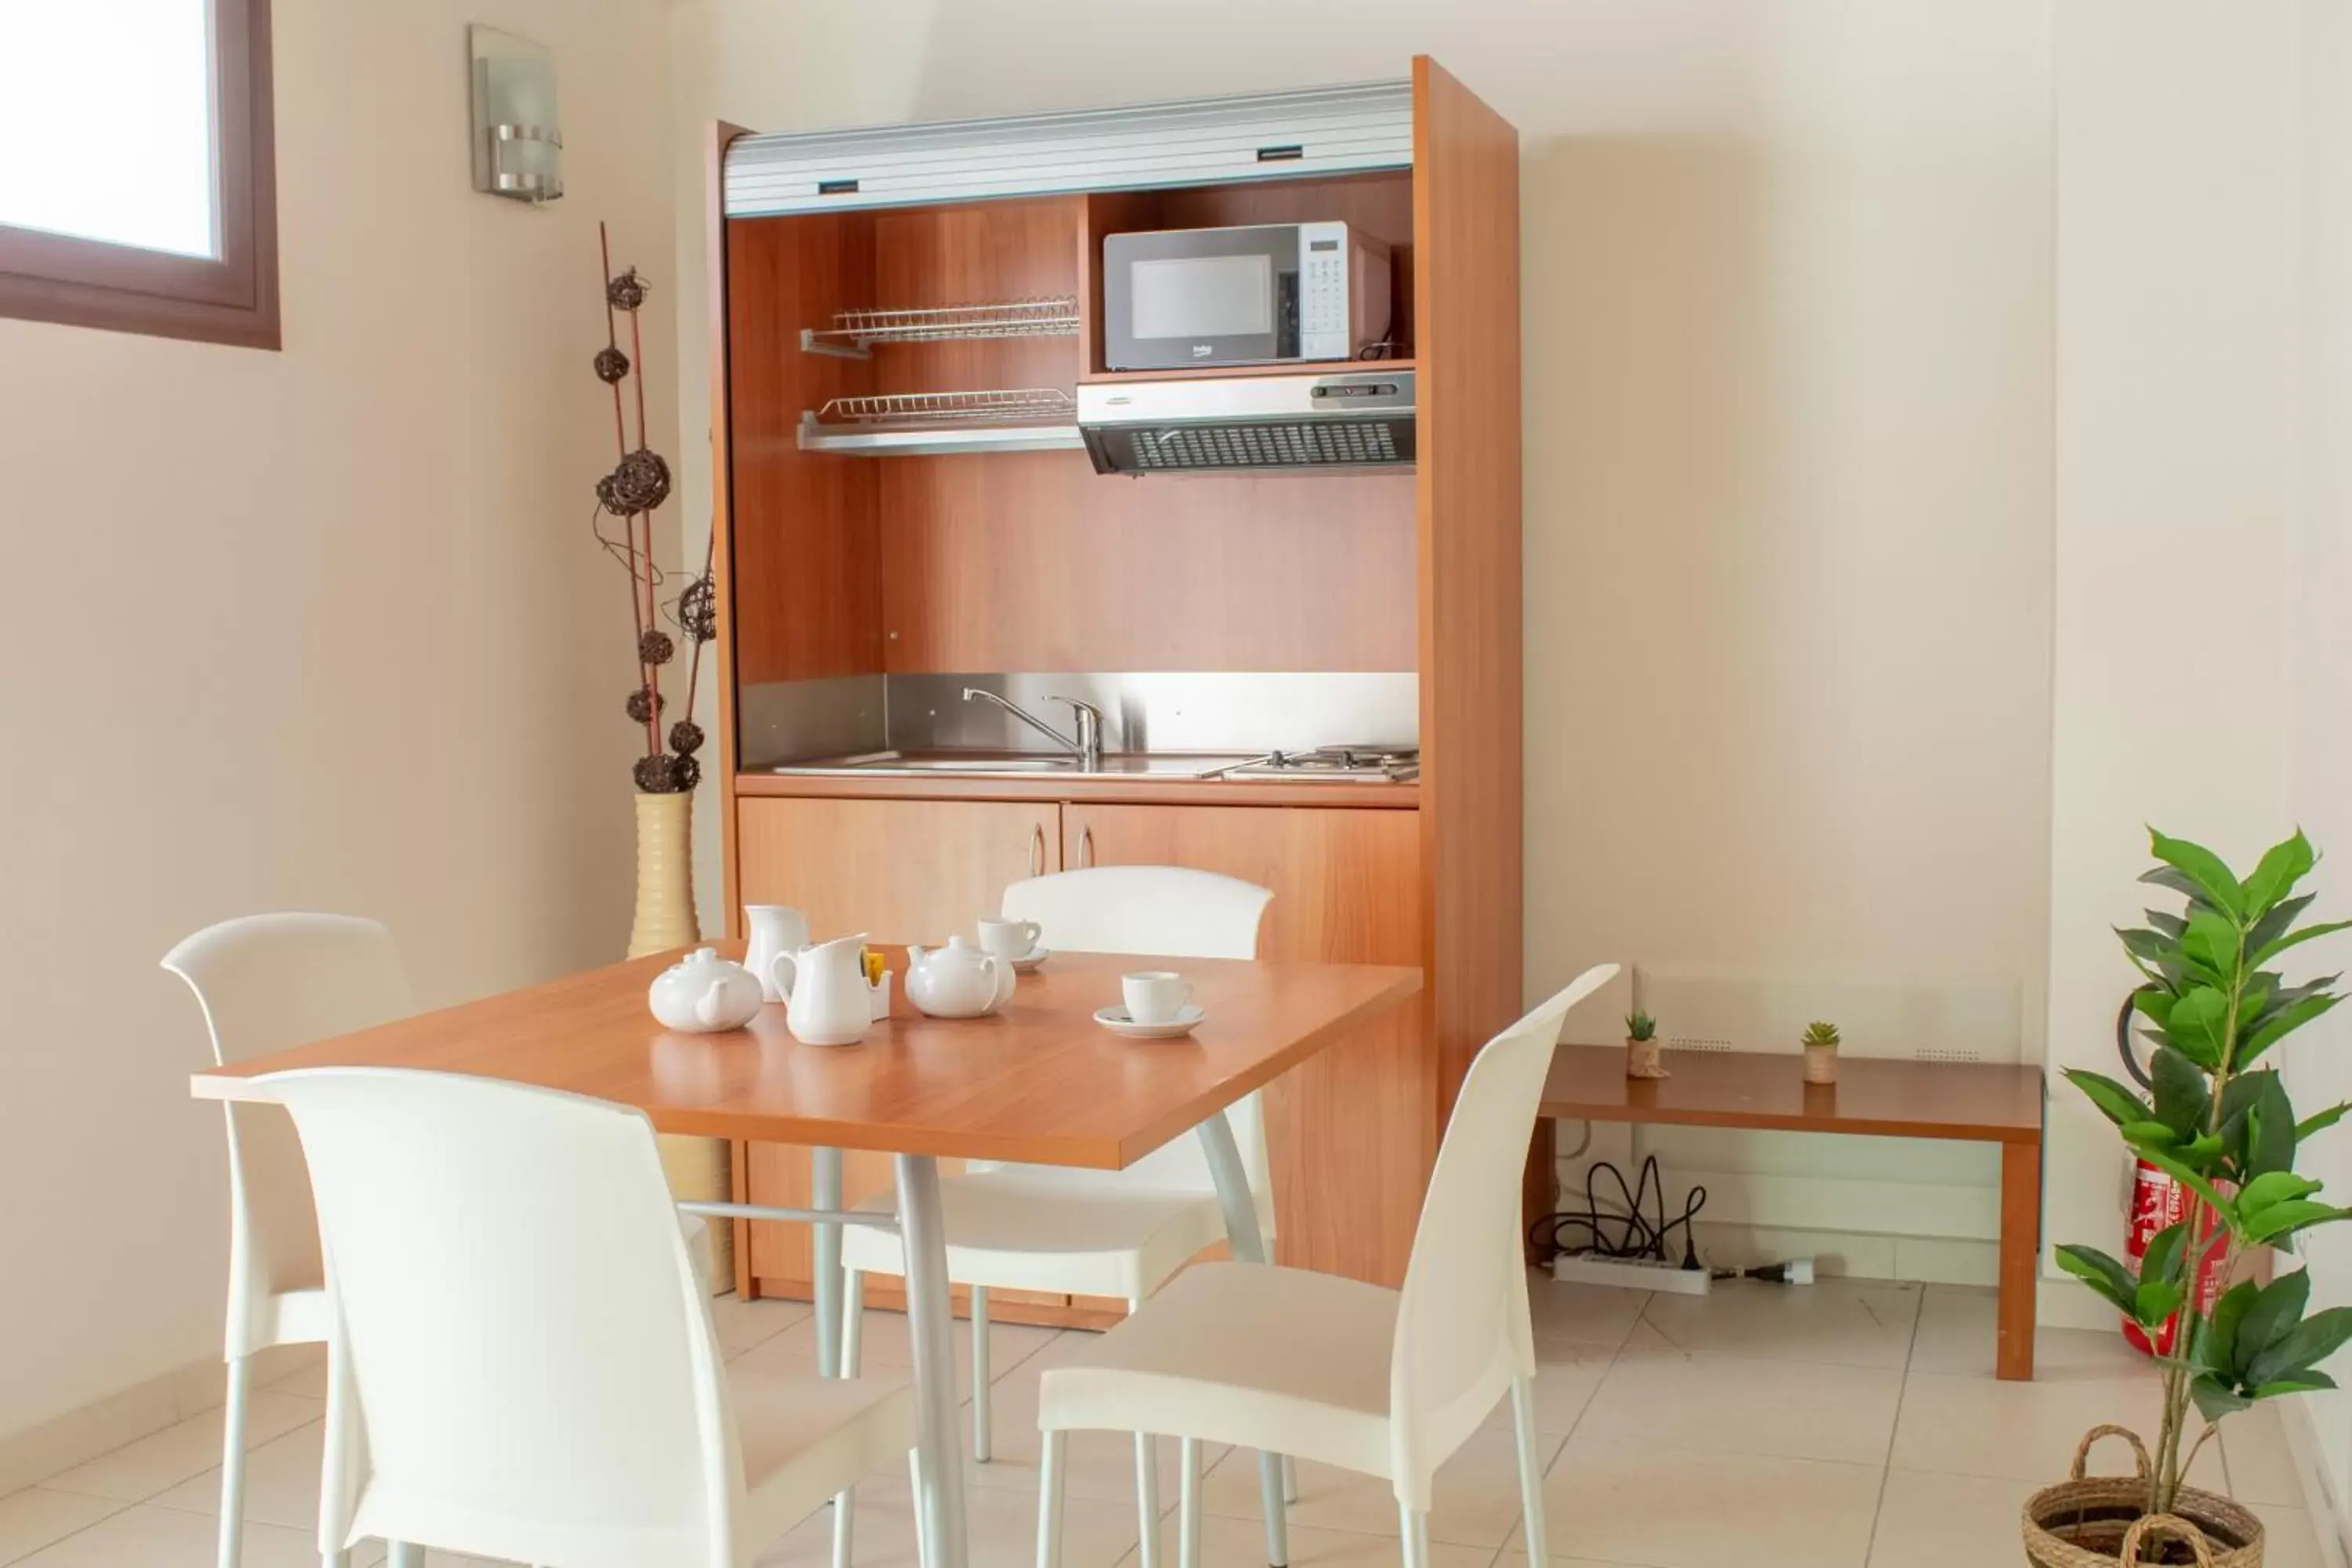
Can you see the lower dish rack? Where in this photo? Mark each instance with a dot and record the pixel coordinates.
(907, 423)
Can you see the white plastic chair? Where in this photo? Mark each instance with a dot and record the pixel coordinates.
(266, 982)
(524, 1347)
(1092, 1233)
(1381, 1381)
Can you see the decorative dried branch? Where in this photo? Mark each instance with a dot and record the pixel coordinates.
(640, 482)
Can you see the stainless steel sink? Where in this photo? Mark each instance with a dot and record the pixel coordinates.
(958, 765)
(985, 764)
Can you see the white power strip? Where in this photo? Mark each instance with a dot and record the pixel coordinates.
(1630, 1274)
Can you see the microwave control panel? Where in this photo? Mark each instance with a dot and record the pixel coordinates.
(1323, 261)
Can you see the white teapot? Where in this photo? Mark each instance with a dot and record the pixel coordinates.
(703, 994)
(958, 981)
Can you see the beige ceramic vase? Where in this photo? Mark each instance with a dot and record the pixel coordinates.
(696, 1167)
(664, 874)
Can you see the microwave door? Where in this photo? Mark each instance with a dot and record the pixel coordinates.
(1200, 297)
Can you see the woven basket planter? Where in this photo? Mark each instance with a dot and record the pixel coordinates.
(2096, 1521)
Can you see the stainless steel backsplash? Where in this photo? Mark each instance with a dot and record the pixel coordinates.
(797, 720)
(785, 720)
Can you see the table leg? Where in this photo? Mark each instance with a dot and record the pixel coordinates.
(931, 1326)
(2020, 1258)
(825, 1192)
(1248, 1244)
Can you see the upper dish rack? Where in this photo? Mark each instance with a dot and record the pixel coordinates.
(854, 333)
(902, 423)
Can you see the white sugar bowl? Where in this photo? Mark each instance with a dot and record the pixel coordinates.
(703, 994)
(958, 981)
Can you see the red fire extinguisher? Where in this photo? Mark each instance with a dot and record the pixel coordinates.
(2157, 1203)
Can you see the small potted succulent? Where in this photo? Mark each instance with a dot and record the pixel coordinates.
(1820, 1043)
(1642, 1045)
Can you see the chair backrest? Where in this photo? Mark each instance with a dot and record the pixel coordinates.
(533, 1371)
(1173, 912)
(266, 983)
(1171, 909)
(1462, 1326)
(269, 982)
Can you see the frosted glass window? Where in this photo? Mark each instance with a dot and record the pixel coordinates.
(1201, 297)
(106, 119)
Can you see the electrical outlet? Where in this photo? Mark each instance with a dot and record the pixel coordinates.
(1695, 1043)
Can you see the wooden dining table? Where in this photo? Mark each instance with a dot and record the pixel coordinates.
(1040, 1082)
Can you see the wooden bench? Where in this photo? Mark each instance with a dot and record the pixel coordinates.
(1886, 1098)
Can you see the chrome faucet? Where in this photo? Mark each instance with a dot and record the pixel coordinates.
(1087, 748)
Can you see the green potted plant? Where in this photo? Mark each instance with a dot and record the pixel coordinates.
(1820, 1043)
(2223, 1127)
(1642, 1045)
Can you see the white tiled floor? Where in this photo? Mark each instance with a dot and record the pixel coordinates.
(1847, 1424)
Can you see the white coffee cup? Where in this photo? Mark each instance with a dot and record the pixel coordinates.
(1010, 939)
(1155, 997)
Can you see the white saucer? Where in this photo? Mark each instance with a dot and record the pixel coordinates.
(1114, 1019)
(1028, 962)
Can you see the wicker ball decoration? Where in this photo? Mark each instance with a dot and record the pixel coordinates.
(627, 291)
(656, 774)
(685, 773)
(646, 705)
(654, 648)
(640, 483)
(686, 737)
(698, 611)
(612, 365)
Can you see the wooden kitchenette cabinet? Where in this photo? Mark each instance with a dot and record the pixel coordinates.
(908, 324)
(1346, 884)
(899, 870)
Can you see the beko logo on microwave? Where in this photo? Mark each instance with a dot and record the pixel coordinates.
(1202, 350)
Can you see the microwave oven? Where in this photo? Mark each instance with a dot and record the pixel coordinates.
(1263, 294)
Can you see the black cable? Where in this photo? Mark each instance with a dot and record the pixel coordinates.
(2124, 1043)
(1630, 1235)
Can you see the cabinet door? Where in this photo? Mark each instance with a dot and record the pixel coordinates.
(778, 1175)
(899, 870)
(1351, 1130)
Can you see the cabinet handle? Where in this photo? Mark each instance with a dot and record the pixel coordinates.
(1086, 845)
(1037, 848)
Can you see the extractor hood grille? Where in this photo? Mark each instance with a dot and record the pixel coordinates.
(1300, 446)
(1350, 419)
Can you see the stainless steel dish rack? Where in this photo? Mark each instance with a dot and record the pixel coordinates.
(854, 333)
(909, 424)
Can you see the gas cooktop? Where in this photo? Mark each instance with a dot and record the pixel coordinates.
(1390, 765)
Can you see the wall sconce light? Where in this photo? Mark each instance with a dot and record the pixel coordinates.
(517, 135)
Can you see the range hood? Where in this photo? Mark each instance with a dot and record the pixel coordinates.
(1258, 424)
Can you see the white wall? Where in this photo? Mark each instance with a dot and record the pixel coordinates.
(1788, 303)
(2318, 1061)
(2176, 407)
(322, 628)
(2204, 556)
